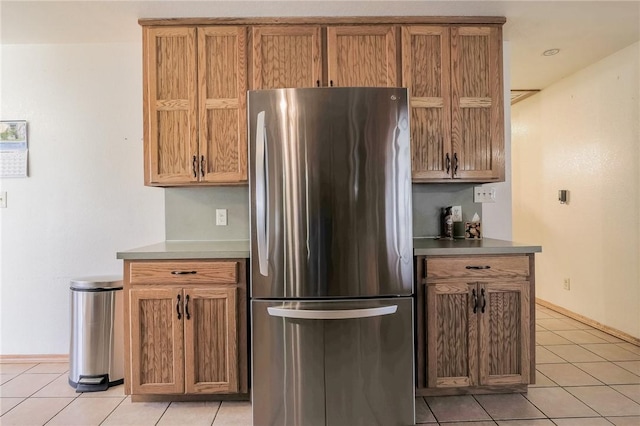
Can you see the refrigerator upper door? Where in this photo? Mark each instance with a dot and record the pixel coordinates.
(330, 183)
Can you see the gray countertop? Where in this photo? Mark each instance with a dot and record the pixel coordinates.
(240, 249)
(189, 250)
(434, 247)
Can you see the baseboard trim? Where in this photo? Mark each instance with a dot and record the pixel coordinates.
(588, 321)
(30, 359)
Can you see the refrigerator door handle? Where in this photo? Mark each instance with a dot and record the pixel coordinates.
(333, 314)
(261, 195)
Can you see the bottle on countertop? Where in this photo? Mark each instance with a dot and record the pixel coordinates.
(446, 223)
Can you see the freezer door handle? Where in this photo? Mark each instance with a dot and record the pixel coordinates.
(261, 195)
(333, 314)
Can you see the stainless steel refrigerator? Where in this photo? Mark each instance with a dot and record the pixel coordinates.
(331, 257)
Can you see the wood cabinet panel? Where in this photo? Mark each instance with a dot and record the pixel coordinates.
(452, 336)
(286, 56)
(170, 104)
(477, 106)
(211, 341)
(425, 73)
(362, 56)
(184, 272)
(504, 333)
(222, 82)
(156, 342)
(477, 267)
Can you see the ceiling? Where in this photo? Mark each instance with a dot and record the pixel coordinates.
(584, 31)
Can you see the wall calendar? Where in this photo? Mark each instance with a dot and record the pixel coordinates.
(14, 149)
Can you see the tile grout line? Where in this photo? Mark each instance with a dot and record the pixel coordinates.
(112, 411)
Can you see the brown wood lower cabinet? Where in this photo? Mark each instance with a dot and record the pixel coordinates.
(475, 326)
(186, 324)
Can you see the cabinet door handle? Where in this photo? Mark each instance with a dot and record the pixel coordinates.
(202, 166)
(184, 272)
(484, 300)
(455, 163)
(478, 267)
(474, 296)
(178, 308)
(186, 307)
(195, 166)
(447, 162)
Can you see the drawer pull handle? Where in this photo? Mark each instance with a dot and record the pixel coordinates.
(478, 267)
(178, 308)
(184, 272)
(484, 300)
(186, 307)
(475, 300)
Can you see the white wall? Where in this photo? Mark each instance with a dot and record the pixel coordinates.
(496, 217)
(84, 199)
(582, 134)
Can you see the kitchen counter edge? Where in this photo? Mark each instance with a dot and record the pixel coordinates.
(176, 250)
(436, 247)
(240, 249)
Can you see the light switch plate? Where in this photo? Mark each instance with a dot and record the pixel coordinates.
(484, 194)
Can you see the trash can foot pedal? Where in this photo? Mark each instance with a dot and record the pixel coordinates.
(93, 383)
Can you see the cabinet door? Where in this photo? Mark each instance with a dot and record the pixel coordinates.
(285, 56)
(477, 111)
(451, 335)
(170, 105)
(362, 56)
(211, 340)
(426, 74)
(157, 359)
(222, 83)
(504, 333)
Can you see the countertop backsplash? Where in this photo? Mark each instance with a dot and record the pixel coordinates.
(190, 213)
(428, 200)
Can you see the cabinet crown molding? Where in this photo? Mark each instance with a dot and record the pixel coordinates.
(323, 20)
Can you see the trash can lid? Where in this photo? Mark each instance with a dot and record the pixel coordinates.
(105, 282)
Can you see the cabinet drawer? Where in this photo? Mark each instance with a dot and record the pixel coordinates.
(218, 272)
(477, 267)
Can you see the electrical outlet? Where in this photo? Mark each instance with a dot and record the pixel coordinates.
(456, 213)
(484, 194)
(567, 284)
(221, 217)
(3, 200)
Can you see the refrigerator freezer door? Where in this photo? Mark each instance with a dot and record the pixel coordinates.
(356, 371)
(330, 178)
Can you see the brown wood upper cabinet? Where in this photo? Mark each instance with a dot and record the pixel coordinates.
(454, 76)
(194, 105)
(197, 71)
(285, 56)
(292, 56)
(362, 56)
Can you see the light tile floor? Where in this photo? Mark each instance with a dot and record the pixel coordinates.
(584, 378)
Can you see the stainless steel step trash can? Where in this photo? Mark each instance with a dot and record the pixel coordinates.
(96, 355)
